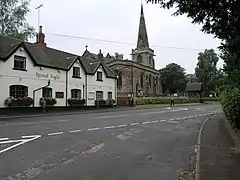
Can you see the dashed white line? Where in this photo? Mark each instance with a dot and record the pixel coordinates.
(123, 125)
(134, 124)
(147, 122)
(174, 122)
(4, 139)
(109, 127)
(178, 118)
(171, 119)
(30, 136)
(74, 131)
(155, 121)
(163, 120)
(93, 129)
(56, 133)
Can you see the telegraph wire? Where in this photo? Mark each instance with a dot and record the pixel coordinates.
(121, 42)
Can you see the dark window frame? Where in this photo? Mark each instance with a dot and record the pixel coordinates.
(47, 92)
(97, 94)
(20, 63)
(99, 78)
(76, 72)
(76, 93)
(18, 91)
(110, 92)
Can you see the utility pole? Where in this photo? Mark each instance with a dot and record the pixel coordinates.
(38, 8)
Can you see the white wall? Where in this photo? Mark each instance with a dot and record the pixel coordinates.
(30, 78)
(76, 83)
(107, 85)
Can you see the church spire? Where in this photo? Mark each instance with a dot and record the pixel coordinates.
(142, 32)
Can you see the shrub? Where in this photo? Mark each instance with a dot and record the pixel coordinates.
(76, 102)
(230, 100)
(50, 101)
(100, 103)
(18, 102)
(110, 102)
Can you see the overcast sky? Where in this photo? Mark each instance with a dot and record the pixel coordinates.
(118, 20)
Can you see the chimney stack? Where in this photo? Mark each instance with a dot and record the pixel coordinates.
(100, 55)
(41, 37)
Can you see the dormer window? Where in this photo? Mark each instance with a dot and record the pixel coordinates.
(19, 63)
(99, 76)
(76, 72)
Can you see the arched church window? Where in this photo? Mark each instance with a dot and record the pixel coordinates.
(141, 80)
(119, 78)
(150, 80)
(150, 60)
(139, 59)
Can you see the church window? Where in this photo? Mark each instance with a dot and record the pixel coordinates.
(141, 80)
(139, 59)
(150, 60)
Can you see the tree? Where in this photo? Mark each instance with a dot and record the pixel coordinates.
(13, 19)
(118, 56)
(206, 70)
(173, 78)
(191, 78)
(220, 18)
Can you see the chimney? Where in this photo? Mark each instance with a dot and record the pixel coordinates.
(100, 55)
(41, 37)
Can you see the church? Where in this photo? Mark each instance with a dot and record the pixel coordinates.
(137, 76)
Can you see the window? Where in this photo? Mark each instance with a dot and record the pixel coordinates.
(76, 93)
(99, 95)
(47, 92)
(109, 95)
(139, 59)
(76, 72)
(119, 79)
(19, 63)
(150, 60)
(18, 91)
(99, 76)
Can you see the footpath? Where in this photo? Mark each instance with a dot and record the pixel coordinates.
(219, 159)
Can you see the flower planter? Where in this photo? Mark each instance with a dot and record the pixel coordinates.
(49, 101)
(76, 102)
(18, 102)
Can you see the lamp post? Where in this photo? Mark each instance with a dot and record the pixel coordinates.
(132, 83)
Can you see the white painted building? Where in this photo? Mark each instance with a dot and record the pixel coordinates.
(26, 67)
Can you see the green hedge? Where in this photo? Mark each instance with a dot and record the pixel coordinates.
(230, 100)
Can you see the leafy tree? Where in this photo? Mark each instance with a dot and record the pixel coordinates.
(173, 78)
(13, 19)
(220, 18)
(191, 78)
(118, 56)
(206, 70)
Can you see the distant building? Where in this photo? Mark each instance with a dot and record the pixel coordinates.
(194, 90)
(25, 67)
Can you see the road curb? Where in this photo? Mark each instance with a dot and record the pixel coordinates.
(235, 135)
(198, 147)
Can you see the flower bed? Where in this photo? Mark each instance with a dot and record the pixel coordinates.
(49, 101)
(76, 102)
(18, 102)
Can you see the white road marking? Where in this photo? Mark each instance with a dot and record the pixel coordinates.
(147, 122)
(178, 118)
(174, 122)
(155, 121)
(134, 124)
(4, 139)
(93, 129)
(19, 142)
(56, 133)
(109, 127)
(155, 112)
(106, 117)
(123, 125)
(171, 119)
(163, 120)
(66, 120)
(74, 131)
(31, 136)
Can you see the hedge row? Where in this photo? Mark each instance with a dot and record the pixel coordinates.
(230, 100)
(177, 100)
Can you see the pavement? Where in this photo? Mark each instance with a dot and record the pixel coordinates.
(219, 159)
(136, 144)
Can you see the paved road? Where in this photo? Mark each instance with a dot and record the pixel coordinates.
(137, 145)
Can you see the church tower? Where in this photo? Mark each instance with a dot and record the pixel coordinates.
(143, 54)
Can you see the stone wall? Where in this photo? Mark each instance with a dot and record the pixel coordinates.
(145, 80)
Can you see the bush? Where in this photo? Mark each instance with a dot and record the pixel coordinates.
(110, 102)
(18, 102)
(76, 102)
(49, 101)
(100, 103)
(166, 101)
(230, 100)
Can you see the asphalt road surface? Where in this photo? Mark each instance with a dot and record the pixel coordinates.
(147, 144)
